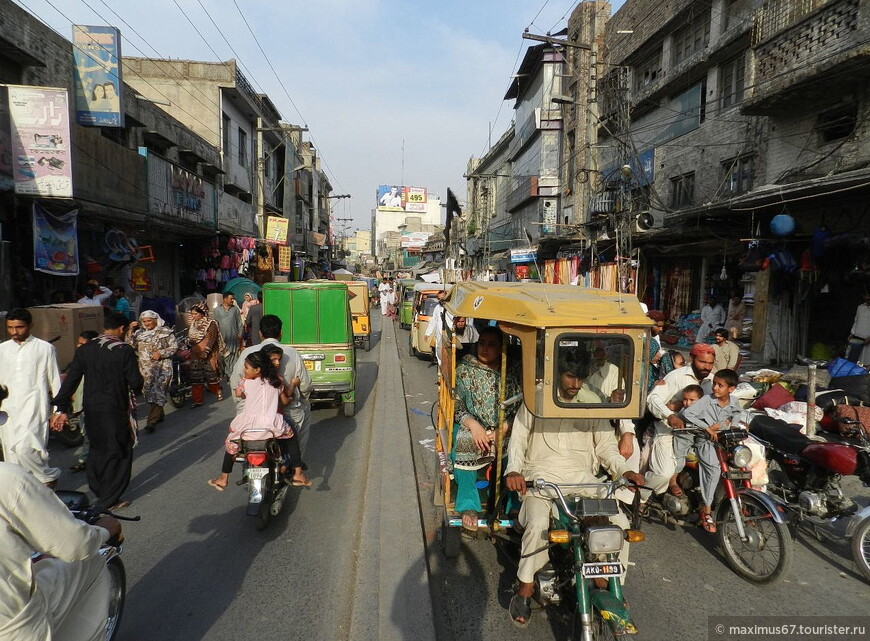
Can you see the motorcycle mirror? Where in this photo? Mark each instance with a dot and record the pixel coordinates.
(3, 417)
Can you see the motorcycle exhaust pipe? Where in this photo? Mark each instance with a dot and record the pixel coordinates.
(275, 508)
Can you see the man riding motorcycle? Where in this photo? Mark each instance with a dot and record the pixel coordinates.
(560, 451)
(62, 594)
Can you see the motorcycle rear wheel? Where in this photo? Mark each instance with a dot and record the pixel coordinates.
(861, 548)
(767, 555)
(265, 511)
(117, 595)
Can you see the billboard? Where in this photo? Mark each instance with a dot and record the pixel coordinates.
(39, 128)
(276, 230)
(414, 239)
(97, 76)
(401, 198)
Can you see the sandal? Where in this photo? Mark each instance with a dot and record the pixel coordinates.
(220, 396)
(215, 485)
(675, 490)
(708, 523)
(520, 609)
(468, 515)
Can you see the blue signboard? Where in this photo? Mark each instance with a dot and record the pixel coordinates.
(97, 76)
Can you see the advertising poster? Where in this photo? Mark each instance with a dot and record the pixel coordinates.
(416, 199)
(276, 230)
(391, 198)
(97, 76)
(55, 242)
(39, 124)
(414, 239)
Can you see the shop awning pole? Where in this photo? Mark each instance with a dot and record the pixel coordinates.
(811, 401)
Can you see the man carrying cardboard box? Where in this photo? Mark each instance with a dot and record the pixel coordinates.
(32, 377)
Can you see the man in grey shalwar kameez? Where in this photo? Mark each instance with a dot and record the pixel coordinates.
(229, 320)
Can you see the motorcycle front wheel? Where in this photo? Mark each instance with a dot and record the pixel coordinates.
(861, 548)
(71, 435)
(600, 631)
(117, 594)
(767, 551)
(177, 396)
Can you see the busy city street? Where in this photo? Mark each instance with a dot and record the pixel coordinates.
(404, 321)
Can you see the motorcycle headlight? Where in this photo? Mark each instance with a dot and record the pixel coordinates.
(741, 456)
(604, 539)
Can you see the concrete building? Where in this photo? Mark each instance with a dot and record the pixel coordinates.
(384, 247)
(151, 182)
(358, 247)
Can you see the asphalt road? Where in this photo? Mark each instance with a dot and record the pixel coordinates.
(196, 566)
(676, 579)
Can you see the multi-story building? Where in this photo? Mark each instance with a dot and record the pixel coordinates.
(739, 111)
(150, 182)
(390, 215)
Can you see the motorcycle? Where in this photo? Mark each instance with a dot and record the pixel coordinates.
(584, 545)
(805, 475)
(751, 531)
(78, 505)
(261, 470)
(180, 386)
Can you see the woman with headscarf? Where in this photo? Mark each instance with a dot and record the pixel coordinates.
(250, 301)
(155, 344)
(206, 347)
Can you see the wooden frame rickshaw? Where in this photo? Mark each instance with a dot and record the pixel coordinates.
(541, 320)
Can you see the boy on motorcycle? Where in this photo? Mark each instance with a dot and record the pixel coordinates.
(713, 412)
(560, 451)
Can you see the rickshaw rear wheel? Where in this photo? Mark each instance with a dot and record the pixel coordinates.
(349, 408)
(451, 541)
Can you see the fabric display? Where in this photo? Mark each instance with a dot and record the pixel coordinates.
(221, 259)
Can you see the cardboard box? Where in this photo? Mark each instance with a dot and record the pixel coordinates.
(65, 323)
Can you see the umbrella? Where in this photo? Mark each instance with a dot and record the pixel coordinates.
(238, 287)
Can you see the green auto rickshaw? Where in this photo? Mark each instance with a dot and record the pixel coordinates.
(405, 300)
(316, 320)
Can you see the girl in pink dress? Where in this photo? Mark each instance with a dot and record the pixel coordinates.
(263, 390)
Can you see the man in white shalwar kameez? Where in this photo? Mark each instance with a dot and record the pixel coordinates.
(61, 598)
(560, 451)
(859, 335)
(28, 369)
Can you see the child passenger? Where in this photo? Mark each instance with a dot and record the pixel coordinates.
(713, 413)
(263, 390)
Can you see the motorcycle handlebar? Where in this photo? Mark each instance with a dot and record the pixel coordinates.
(91, 514)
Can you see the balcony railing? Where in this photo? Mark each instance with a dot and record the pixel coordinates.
(777, 15)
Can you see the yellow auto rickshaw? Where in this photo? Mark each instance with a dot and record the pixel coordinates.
(425, 301)
(359, 312)
(544, 326)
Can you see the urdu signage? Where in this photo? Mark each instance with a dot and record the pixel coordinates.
(174, 192)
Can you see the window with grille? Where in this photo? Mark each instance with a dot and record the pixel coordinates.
(683, 190)
(243, 147)
(732, 80)
(648, 71)
(737, 175)
(692, 38)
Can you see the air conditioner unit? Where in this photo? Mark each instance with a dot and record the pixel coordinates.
(649, 220)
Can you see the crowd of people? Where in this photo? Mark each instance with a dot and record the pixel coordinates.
(110, 370)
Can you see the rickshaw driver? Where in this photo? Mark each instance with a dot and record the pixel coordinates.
(560, 451)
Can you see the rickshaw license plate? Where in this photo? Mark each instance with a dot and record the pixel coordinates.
(596, 570)
(311, 365)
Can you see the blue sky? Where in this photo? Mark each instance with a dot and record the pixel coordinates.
(364, 74)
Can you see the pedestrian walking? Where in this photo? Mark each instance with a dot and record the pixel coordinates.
(28, 369)
(84, 338)
(155, 344)
(229, 320)
(206, 346)
(112, 376)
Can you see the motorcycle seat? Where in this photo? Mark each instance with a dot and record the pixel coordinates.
(781, 435)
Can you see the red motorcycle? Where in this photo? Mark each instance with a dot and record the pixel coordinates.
(805, 475)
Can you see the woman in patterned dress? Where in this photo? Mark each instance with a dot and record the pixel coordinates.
(476, 417)
(155, 344)
(206, 347)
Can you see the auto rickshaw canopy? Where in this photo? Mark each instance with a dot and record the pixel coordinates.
(545, 305)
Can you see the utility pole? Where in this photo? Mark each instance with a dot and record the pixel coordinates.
(261, 182)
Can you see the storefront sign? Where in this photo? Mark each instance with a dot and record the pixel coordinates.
(527, 255)
(55, 242)
(276, 230)
(97, 76)
(39, 124)
(174, 192)
(316, 238)
(414, 239)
